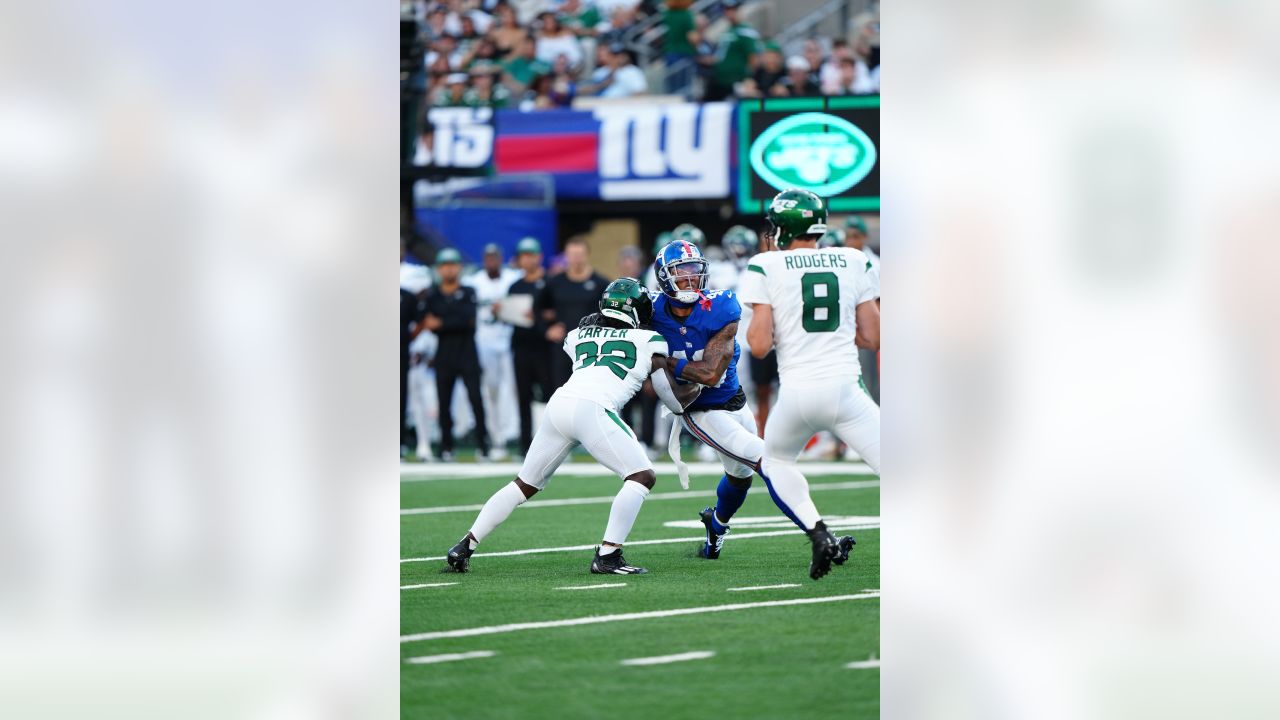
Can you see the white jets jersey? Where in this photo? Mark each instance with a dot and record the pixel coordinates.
(490, 332)
(609, 364)
(813, 293)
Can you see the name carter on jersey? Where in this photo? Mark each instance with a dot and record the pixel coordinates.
(591, 333)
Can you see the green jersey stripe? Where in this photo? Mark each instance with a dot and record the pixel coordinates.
(618, 420)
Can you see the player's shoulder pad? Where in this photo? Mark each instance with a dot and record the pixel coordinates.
(761, 262)
(859, 259)
(725, 305)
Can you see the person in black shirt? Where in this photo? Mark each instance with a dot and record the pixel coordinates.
(529, 344)
(567, 298)
(799, 79)
(451, 314)
(409, 311)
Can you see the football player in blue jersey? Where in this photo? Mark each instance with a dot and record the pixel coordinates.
(699, 326)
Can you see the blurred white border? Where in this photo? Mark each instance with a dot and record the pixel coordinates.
(197, 492)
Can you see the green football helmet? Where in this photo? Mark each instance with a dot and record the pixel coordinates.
(664, 238)
(796, 214)
(833, 237)
(626, 300)
(689, 233)
(740, 241)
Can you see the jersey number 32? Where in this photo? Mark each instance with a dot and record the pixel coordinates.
(602, 355)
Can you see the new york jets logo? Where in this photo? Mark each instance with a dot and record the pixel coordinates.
(815, 151)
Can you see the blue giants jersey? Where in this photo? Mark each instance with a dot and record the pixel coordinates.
(689, 339)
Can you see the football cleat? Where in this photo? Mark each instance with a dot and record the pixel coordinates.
(459, 557)
(825, 549)
(613, 564)
(846, 544)
(711, 548)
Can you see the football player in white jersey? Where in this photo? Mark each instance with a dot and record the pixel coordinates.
(613, 352)
(493, 344)
(817, 306)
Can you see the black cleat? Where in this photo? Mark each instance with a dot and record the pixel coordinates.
(613, 564)
(711, 548)
(459, 557)
(825, 549)
(846, 544)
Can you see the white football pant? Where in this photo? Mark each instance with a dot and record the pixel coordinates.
(498, 392)
(802, 411)
(732, 434)
(566, 422)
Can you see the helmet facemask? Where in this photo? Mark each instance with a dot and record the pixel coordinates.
(686, 280)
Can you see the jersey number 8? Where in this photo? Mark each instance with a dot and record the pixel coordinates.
(821, 295)
(590, 353)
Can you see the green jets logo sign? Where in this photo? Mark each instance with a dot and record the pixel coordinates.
(814, 151)
(827, 145)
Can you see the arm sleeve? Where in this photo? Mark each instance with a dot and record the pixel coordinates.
(570, 340)
(666, 393)
(546, 301)
(752, 289)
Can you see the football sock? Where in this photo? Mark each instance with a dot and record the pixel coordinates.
(496, 510)
(790, 492)
(626, 506)
(608, 549)
(729, 498)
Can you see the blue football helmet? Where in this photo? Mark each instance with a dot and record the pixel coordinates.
(681, 260)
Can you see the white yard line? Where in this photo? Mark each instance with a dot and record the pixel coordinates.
(426, 585)
(630, 543)
(423, 472)
(608, 499)
(433, 659)
(765, 587)
(596, 619)
(864, 664)
(591, 587)
(664, 659)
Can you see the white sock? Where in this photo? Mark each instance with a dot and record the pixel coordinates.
(793, 490)
(626, 506)
(496, 510)
(608, 549)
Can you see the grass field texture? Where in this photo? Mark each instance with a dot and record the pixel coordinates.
(462, 658)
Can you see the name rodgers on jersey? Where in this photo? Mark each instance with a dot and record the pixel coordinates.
(820, 260)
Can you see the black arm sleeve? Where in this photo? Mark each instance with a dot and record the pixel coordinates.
(547, 300)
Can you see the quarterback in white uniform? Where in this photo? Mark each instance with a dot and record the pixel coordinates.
(613, 353)
(817, 306)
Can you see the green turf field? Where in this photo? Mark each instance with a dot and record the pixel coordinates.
(769, 662)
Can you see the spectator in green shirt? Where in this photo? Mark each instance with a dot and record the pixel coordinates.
(525, 66)
(582, 20)
(736, 54)
(451, 95)
(678, 49)
(485, 91)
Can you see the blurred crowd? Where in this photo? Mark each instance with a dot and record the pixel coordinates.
(542, 54)
(480, 347)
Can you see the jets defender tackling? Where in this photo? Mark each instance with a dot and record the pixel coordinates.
(700, 328)
(817, 306)
(613, 351)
